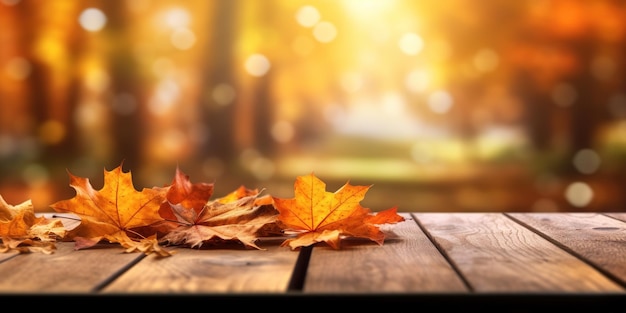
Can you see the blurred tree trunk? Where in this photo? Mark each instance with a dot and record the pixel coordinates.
(128, 130)
(49, 104)
(218, 68)
(38, 96)
(262, 106)
(584, 121)
(590, 111)
(538, 109)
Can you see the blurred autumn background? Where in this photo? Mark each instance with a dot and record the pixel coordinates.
(461, 105)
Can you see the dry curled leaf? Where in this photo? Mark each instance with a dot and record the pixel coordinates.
(235, 217)
(21, 230)
(316, 215)
(148, 245)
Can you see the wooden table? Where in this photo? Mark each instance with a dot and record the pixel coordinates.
(572, 259)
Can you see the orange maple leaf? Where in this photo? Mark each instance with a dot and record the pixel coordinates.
(234, 217)
(22, 231)
(316, 215)
(113, 212)
(183, 193)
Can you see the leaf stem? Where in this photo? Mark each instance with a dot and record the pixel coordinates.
(66, 217)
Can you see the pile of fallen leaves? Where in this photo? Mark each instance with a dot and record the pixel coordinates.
(183, 214)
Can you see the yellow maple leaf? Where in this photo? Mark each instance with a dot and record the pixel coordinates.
(316, 215)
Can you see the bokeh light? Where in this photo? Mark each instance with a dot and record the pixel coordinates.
(411, 43)
(257, 65)
(223, 94)
(324, 31)
(579, 194)
(183, 38)
(92, 19)
(307, 16)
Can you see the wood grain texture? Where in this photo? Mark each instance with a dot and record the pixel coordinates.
(448, 254)
(599, 239)
(407, 262)
(65, 271)
(220, 270)
(497, 255)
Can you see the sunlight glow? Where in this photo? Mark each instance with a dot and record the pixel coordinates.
(385, 118)
(417, 81)
(411, 43)
(501, 88)
(440, 102)
(165, 96)
(177, 18)
(365, 9)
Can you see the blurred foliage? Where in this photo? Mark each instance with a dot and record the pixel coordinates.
(443, 105)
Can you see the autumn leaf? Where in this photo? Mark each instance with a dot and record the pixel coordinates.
(148, 245)
(21, 230)
(237, 194)
(242, 191)
(183, 193)
(235, 217)
(113, 212)
(316, 215)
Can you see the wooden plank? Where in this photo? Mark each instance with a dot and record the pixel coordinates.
(65, 271)
(406, 262)
(7, 255)
(599, 239)
(618, 216)
(497, 255)
(212, 270)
